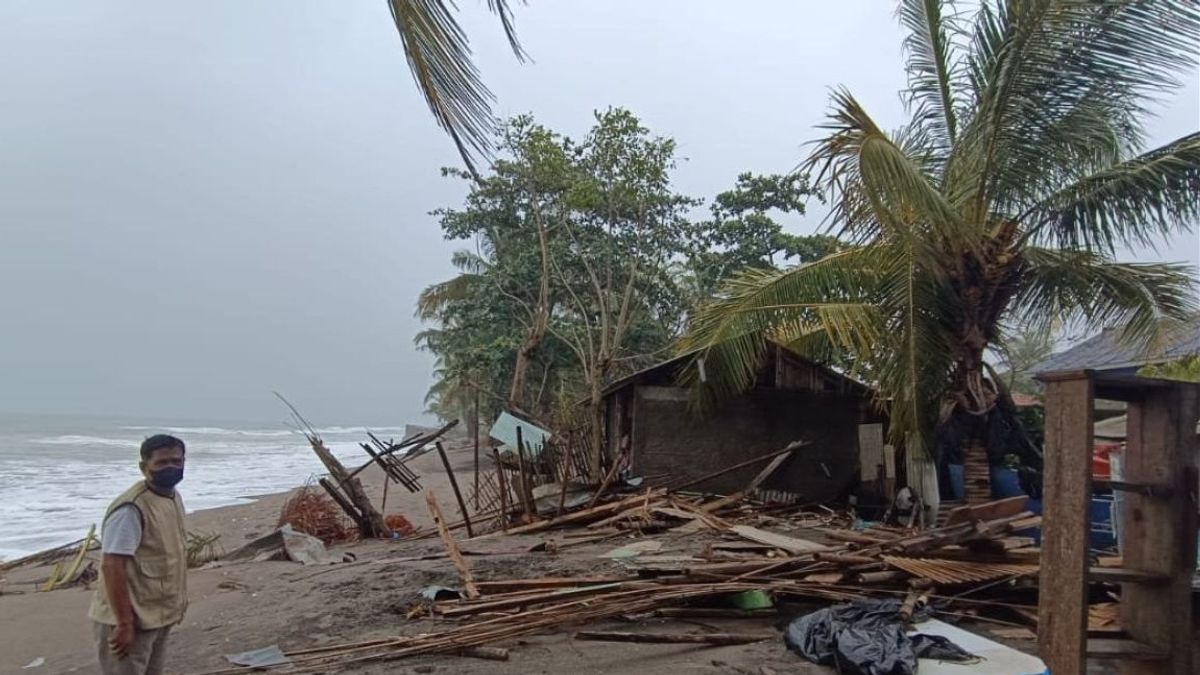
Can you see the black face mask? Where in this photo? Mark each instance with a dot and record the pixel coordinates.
(166, 479)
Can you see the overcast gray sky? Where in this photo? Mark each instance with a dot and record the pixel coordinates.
(202, 202)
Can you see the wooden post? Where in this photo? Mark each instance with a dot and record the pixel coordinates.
(503, 491)
(462, 506)
(1158, 535)
(526, 496)
(1067, 481)
(566, 477)
(475, 426)
(346, 506)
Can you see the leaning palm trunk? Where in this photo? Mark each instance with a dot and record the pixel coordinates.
(1000, 205)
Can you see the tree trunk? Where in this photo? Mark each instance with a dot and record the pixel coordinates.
(597, 430)
(983, 430)
(516, 392)
(538, 324)
(975, 399)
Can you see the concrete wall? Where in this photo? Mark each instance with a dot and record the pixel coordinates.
(667, 439)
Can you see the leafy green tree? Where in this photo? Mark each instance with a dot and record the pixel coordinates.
(744, 232)
(1001, 202)
(520, 210)
(630, 226)
(570, 279)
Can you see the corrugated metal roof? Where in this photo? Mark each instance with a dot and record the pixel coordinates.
(504, 430)
(1107, 351)
(680, 359)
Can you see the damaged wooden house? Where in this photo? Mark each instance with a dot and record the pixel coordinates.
(650, 415)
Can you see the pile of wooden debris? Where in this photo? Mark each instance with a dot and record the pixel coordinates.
(757, 557)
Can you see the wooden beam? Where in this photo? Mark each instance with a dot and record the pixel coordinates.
(503, 486)
(460, 563)
(1121, 575)
(1158, 535)
(1066, 493)
(1103, 648)
(1161, 491)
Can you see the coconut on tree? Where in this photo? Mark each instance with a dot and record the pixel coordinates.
(1001, 203)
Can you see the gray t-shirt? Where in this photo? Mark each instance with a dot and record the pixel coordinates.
(121, 533)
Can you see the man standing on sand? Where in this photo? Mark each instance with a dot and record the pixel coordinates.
(143, 576)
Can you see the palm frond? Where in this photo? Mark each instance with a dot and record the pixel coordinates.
(729, 336)
(429, 339)
(1033, 64)
(471, 262)
(502, 10)
(1143, 298)
(439, 56)
(880, 187)
(913, 359)
(1131, 202)
(437, 297)
(933, 73)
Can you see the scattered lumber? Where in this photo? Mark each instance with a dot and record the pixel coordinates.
(973, 561)
(676, 638)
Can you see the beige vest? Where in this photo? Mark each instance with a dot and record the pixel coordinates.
(158, 570)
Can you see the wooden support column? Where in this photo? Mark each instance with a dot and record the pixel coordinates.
(1158, 534)
(1067, 487)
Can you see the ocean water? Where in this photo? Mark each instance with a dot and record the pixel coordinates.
(59, 473)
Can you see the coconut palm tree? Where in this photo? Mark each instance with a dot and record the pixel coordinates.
(1002, 202)
(439, 56)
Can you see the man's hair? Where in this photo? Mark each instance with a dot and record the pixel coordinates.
(158, 442)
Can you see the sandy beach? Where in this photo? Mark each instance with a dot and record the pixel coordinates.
(236, 607)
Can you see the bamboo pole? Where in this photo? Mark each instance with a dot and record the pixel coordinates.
(503, 492)
(462, 505)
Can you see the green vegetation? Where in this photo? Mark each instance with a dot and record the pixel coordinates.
(1000, 203)
(586, 264)
(993, 214)
(1186, 369)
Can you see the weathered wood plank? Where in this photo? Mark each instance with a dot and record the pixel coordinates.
(1158, 534)
(789, 544)
(460, 563)
(1001, 508)
(1062, 606)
